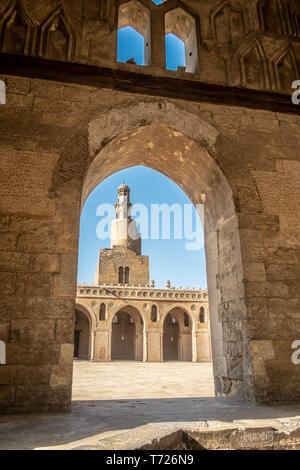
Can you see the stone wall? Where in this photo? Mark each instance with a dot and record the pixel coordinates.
(110, 261)
(251, 43)
(137, 301)
(58, 141)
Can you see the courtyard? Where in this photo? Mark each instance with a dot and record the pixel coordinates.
(121, 403)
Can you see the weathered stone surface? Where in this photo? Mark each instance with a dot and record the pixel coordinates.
(58, 141)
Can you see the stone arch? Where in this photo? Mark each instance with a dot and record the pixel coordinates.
(131, 345)
(126, 275)
(89, 314)
(202, 315)
(188, 154)
(112, 312)
(270, 16)
(184, 310)
(285, 69)
(154, 313)
(102, 312)
(184, 332)
(183, 24)
(253, 66)
(57, 40)
(292, 11)
(133, 13)
(121, 275)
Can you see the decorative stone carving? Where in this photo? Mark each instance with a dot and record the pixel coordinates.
(228, 23)
(285, 69)
(270, 16)
(57, 39)
(253, 67)
(17, 32)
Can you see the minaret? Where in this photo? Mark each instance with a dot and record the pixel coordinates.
(123, 228)
(123, 263)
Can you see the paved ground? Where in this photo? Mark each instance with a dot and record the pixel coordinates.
(134, 380)
(111, 398)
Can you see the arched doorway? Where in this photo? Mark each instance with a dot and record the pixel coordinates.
(81, 336)
(193, 145)
(171, 339)
(127, 335)
(177, 336)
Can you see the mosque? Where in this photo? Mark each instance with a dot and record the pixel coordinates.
(123, 316)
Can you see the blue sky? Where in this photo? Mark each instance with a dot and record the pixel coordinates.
(131, 45)
(169, 259)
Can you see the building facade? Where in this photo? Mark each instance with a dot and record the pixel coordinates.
(225, 130)
(124, 317)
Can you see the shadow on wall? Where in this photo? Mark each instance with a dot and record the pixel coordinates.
(92, 418)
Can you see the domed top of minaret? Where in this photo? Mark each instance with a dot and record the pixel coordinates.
(123, 187)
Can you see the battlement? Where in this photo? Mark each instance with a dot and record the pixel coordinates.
(140, 291)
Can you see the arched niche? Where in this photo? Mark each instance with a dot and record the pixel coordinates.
(135, 15)
(183, 25)
(17, 31)
(228, 23)
(270, 16)
(127, 340)
(83, 328)
(177, 335)
(57, 40)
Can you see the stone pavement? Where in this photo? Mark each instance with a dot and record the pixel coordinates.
(120, 401)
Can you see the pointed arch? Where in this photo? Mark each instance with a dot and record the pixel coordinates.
(133, 14)
(285, 69)
(270, 17)
(102, 312)
(183, 25)
(202, 315)
(57, 40)
(228, 23)
(17, 31)
(154, 313)
(121, 275)
(253, 67)
(126, 275)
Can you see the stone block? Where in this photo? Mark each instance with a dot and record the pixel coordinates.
(37, 284)
(28, 331)
(22, 375)
(49, 307)
(7, 283)
(46, 263)
(282, 272)
(8, 241)
(14, 262)
(34, 244)
(7, 395)
(254, 272)
(64, 330)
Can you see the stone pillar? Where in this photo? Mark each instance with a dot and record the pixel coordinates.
(158, 56)
(102, 350)
(154, 346)
(145, 346)
(186, 347)
(203, 346)
(194, 346)
(92, 347)
(139, 346)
